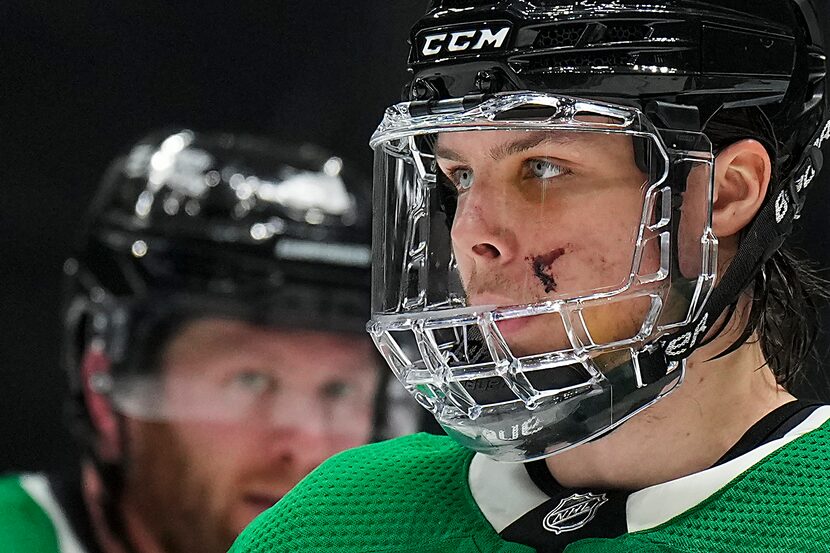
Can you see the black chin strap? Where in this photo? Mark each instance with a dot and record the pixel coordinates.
(763, 238)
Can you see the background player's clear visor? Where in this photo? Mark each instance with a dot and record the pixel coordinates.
(249, 398)
(531, 247)
(220, 370)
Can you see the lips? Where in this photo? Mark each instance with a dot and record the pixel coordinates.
(509, 327)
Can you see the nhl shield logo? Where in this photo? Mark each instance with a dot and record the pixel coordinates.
(573, 512)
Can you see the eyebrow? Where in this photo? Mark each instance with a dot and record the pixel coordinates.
(505, 149)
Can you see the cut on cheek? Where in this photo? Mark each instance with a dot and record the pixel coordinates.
(541, 267)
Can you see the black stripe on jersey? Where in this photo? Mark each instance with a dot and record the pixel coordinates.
(570, 515)
(66, 488)
(771, 427)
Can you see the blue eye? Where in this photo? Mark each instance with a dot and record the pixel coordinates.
(463, 178)
(545, 169)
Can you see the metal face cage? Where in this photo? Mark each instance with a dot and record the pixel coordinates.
(610, 222)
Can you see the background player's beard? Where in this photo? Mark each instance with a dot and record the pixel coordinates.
(167, 493)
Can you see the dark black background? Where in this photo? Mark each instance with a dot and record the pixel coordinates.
(80, 81)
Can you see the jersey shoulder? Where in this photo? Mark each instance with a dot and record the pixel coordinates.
(779, 504)
(24, 526)
(405, 495)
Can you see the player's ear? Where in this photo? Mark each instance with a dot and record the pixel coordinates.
(95, 368)
(742, 176)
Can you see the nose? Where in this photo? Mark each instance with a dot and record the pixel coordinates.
(297, 439)
(482, 228)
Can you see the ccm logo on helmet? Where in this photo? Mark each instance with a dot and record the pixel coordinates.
(484, 38)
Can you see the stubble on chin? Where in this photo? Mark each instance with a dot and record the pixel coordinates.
(164, 490)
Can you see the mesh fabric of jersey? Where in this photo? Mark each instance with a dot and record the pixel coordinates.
(411, 494)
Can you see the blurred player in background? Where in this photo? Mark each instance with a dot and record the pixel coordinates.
(215, 316)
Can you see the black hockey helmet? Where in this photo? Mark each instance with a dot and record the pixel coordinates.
(675, 81)
(710, 55)
(188, 225)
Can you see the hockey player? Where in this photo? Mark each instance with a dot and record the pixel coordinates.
(215, 340)
(579, 214)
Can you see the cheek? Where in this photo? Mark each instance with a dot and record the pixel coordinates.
(651, 259)
(338, 442)
(617, 321)
(608, 238)
(215, 451)
(597, 257)
(357, 430)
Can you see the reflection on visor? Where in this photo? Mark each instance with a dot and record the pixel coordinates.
(533, 247)
(249, 397)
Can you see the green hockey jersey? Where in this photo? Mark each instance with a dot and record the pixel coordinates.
(425, 494)
(32, 520)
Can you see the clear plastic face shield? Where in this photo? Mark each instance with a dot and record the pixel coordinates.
(532, 248)
(231, 372)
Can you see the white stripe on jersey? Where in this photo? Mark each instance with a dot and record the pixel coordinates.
(657, 504)
(503, 491)
(37, 486)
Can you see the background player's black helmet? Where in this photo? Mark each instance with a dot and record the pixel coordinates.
(730, 68)
(189, 225)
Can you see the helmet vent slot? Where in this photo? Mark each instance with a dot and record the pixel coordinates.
(565, 35)
(646, 60)
(559, 36)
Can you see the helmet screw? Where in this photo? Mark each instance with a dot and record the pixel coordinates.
(420, 90)
(487, 82)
